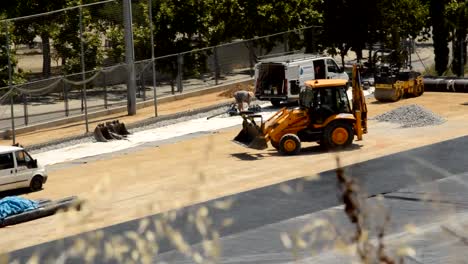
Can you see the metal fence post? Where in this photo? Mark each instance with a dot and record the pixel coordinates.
(25, 109)
(83, 70)
(180, 62)
(105, 90)
(251, 57)
(65, 98)
(153, 66)
(142, 81)
(10, 84)
(286, 42)
(216, 65)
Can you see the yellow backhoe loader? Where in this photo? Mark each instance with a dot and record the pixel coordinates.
(325, 115)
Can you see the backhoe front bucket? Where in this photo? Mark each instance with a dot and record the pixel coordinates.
(101, 133)
(98, 135)
(110, 130)
(251, 136)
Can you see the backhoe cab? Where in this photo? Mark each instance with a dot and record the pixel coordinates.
(325, 115)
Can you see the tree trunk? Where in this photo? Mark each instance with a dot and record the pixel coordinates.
(46, 61)
(439, 35)
(343, 51)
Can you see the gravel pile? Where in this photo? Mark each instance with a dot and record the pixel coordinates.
(411, 116)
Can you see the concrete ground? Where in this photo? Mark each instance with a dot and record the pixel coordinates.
(143, 182)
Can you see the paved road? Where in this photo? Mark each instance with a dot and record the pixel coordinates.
(260, 215)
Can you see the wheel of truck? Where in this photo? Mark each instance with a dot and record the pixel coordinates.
(275, 102)
(36, 183)
(338, 135)
(289, 144)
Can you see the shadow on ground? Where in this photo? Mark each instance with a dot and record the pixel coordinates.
(307, 151)
(16, 192)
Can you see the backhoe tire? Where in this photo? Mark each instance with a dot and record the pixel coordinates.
(289, 144)
(275, 144)
(338, 135)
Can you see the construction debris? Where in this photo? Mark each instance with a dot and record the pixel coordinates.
(411, 116)
(34, 209)
(110, 130)
(233, 111)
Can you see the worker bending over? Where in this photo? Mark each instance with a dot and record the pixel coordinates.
(243, 97)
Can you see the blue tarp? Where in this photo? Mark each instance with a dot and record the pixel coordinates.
(13, 205)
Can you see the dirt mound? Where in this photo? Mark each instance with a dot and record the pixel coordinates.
(229, 93)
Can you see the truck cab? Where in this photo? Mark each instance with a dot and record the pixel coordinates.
(282, 78)
(19, 170)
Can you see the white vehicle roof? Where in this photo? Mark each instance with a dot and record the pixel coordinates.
(8, 149)
(293, 58)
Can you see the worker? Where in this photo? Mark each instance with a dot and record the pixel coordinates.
(243, 97)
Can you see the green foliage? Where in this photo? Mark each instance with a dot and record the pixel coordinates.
(17, 75)
(182, 25)
(67, 42)
(350, 25)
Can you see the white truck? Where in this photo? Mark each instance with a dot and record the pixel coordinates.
(282, 78)
(19, 170)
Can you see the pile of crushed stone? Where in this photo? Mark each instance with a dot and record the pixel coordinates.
(411, 116)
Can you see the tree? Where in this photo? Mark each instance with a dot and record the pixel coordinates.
(67, 41)
(42, 26)
(440, 34)
(458, 10)
(17, 77)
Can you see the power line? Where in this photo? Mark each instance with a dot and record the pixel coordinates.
(54, 12)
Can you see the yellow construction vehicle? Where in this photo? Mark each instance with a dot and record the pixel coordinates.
(391, 81)
(325, 115)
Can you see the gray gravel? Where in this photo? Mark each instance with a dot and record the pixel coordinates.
(411, 116)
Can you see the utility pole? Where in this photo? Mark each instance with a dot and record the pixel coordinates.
(129, 57)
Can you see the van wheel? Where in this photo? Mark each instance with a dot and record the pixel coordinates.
(275, 102)
(36, 184)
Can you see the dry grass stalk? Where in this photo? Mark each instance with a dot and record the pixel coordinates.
(355, 209)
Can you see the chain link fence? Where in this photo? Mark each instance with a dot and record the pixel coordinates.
(71, 62)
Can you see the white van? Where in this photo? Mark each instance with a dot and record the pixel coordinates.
(19, 170)
(282, 78)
